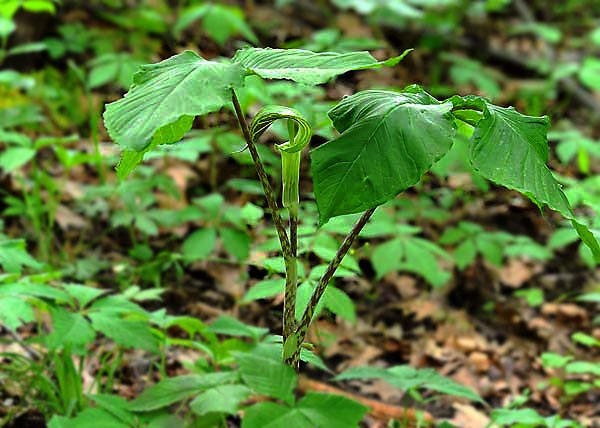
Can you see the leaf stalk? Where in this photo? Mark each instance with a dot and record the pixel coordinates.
(319, 291)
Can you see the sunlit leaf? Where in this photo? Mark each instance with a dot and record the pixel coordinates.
(388, 141)
(172, 390)
(511, 149)
(183, 85)
(304, 66)
(315, 410)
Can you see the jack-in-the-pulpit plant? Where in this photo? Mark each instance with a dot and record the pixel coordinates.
(387, 141)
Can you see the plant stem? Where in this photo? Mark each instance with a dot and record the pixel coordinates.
(264, 179)
(288, 255)
(291, 279)
(307, 316)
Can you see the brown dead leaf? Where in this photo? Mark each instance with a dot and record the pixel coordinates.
(227, 280)
(350, 24)
(406, 286)
(67, 219)
(466, 377)
(381, 388)
(516, 273)
(73, 190)
(466, 343)
(460, 181)
(541, 326)
(367, 354)
(425, 308)
(181, 173)
(479, 361)
(565, 310)
(468, 416)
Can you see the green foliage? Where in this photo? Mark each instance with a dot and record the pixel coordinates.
(313, 410)
(332, 40)
(588, 74)
(172, 390)
(523, 156)
(339, 172)
(546, 32)
(111, 67)
(221, 399)
(14, 256)
(572, 376)
(78, 314)
(464, 71)
(228, 223)
(165, 95)
(529, 418)
(471, 240)
(405, 251)
(304, 66)
(220, 393)
(221, 22)
(572, 145)
(392, 8)
(388, 141)
(267, 376)
(410, 379)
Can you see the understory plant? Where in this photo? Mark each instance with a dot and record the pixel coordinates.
(386, 141)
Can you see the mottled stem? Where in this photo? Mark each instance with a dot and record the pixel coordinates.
(305, 321)
(289, 251)
(291, 280)
(264, 179)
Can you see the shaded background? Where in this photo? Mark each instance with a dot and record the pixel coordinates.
(468, 278)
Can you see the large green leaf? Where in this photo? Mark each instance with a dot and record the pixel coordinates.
(315, 410)
(14, 256)
(69, 329)
(511, 149)
(129, 333)
(388, 141)
(305, 66)
(14, 312)
(15, 157)
(172, 390)
(90, 418)
(183, 85)
(222, 398)
(267, 375)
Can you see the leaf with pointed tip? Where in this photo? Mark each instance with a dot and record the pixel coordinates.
(305, 66)
(221, 398)
(388, 141)
(267, 375)
(407, 378)
(168, 134)
(183, 85)
(314, 410)
(511, 149)
(172, 390)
